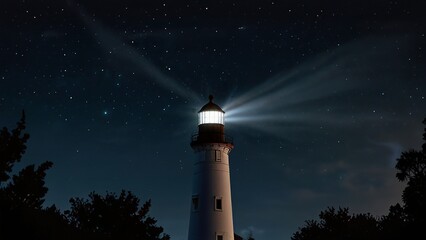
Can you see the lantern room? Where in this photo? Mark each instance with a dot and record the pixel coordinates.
(211, 113)
(211, 125)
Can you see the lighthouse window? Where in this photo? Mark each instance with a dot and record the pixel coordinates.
(219, 237)
(217, 155)
(218, 203)
(195, 203)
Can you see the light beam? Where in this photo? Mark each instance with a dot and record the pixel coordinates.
(111, 42)
(307, 93)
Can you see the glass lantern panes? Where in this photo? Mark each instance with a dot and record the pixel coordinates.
(214, 117)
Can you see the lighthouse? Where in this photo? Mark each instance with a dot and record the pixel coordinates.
(211, 206)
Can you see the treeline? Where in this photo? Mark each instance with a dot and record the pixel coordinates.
(406, 221)
(23, 216)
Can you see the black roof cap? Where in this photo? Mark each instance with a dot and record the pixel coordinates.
(210, 106)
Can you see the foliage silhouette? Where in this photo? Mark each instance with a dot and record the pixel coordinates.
(12, 147)
(339, 225)
(114, 217)
(27, 188)
(21, 212)
(394, 225)
(411, 168)
(402, 222)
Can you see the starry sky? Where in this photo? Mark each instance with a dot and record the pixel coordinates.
(320, 97)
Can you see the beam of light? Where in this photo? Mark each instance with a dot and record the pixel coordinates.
(307, 69)
(303, 94)
(112, 42)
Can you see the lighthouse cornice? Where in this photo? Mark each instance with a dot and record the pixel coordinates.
(225, 147)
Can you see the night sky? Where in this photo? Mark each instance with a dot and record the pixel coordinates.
(320, 97)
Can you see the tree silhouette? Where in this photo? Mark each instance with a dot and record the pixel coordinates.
(27, 188)
(12, 147)
(337, 225)
(411, 168)
(22, 215)
(394, 225)
(114, 217)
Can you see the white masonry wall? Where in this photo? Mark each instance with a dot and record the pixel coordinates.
(211, 181)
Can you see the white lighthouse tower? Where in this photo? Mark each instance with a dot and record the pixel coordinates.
(211, 207)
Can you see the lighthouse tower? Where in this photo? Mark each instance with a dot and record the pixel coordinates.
(211, 208)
